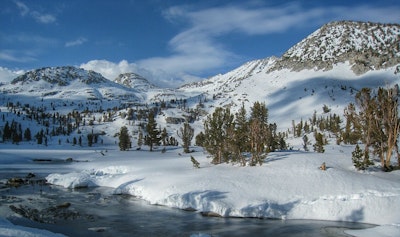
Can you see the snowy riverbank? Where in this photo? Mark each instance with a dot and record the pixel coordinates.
(289, 185)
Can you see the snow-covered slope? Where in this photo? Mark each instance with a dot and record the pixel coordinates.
(367, 46)
(326, 68)
(63, 86)
(318, 71)
(135, 81)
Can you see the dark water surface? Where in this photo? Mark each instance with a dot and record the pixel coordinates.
(97, 212)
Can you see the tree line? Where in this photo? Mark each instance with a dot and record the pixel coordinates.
(227, 137)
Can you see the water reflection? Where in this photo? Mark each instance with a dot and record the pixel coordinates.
(122, 215)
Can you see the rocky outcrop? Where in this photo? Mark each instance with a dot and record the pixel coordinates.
(366, 46)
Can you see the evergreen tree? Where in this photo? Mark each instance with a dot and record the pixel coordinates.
(306, 143)
(199, 141)
(358, 159)
(90, 139)
(319, 142)
(6, 132)
(39, 137)
(241, 136)
(153, 134)
(164, 136)
(124, 139)
(215, 133)
(387, 104)
(186, 133)
(258, 132)
(140, 139)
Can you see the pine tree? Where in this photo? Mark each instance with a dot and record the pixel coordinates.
(153, 134)
(90, 139)
(306, 143)
(6, 132)
(215, 133)
(164, 136)
(199, 141)
(124, 140)
(140, 139)
(258, 132)
(186, 133)
(319, 142)
(358, 158)
(241, 136)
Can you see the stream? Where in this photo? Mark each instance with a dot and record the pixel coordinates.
(97, 212)
(31, 202)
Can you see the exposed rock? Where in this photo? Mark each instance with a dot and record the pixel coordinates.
(174, 120)
(210, 214)
(365, 45)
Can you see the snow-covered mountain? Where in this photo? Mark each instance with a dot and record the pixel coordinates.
(135, 81)
(365, 45)
(59, 85)
(325, 69)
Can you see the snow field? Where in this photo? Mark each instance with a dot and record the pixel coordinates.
(288, 186)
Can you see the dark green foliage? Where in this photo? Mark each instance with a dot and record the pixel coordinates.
(376, 124)
(140, 139)
(227, 137)
(124, 139)
(319, 142)
(359, 158)
(216, 130)
(200, 139)
(90, 139)
(164, 137)
(306, 143)
(186, 133)
(153, 134)
(258, 133)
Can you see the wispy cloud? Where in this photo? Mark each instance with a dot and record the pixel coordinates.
(199, 46)
(6, 75)
(16, 56)
(79, 41)
(40, 17)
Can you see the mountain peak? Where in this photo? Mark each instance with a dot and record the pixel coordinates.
(365, 45)
(62, 76)
(134, 81)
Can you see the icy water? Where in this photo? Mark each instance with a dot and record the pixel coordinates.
(97, 212)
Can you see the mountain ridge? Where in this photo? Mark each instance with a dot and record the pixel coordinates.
(301, 76)
(367, 46)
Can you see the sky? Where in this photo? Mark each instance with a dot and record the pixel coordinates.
(170, 42)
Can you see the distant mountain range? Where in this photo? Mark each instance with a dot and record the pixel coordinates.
(326, 68)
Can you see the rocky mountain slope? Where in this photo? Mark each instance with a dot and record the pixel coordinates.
(365, 45)
(66, 83)
(134, 81)
(327, 68)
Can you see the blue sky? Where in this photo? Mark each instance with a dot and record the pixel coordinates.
(169, 42)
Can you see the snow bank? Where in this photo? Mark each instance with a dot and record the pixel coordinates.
(382, 231)
(288, 186)
(9, 229)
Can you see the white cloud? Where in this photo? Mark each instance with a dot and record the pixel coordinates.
(44, 18)
(16, 56)
(23, 8)
(79, 41)
(7, 75)
(199, 48)
(111, 70)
